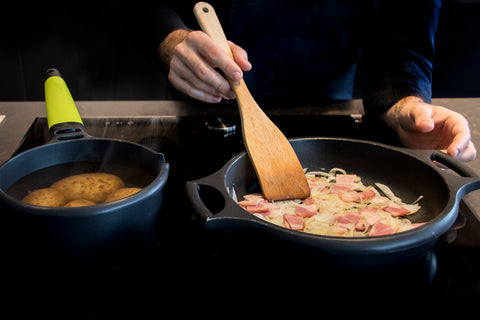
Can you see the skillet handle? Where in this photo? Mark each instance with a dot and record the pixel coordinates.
(451, 163)
(467, 179)
(211, 201)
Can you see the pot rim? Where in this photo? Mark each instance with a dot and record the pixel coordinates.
(154, 186)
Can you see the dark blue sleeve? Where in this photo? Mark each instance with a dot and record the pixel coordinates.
(397, 61)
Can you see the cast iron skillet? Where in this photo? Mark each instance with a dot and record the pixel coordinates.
(409, 173)
(103, 235)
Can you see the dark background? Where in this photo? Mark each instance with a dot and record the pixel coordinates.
(95, 49)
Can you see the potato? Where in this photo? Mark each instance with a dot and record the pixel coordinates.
(88, 186)
(79, 203)
(121, 193)
(47, 197)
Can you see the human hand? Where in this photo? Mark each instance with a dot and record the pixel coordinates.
(424, 126)
(192, 58)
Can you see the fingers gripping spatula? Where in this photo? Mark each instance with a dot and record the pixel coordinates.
(278, 169)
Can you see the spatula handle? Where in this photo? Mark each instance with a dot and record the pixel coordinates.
(208, 21)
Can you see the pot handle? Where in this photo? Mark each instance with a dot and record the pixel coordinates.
(64, 122)
(216, 206)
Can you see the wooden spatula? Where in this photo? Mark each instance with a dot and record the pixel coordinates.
(277, 167)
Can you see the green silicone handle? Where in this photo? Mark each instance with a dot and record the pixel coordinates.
(59, 102)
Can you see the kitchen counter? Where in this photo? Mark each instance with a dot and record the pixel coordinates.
(194, 265)
(19, 116)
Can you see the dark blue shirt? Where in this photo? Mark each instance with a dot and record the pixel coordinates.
(310, 52)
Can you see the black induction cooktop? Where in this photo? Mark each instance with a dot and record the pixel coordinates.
(199, 266)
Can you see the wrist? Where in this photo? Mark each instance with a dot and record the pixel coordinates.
(392, 116)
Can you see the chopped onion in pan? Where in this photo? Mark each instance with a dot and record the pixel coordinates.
(339, 205)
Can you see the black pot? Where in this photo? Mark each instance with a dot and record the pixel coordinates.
(409, 173)
(104, 235)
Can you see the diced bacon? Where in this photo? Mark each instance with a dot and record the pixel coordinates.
(345, 178)
(263, 213)
(367, 194)
(272, 205)
(251, 202)
(349, 196)
(380, 229)
(357, 196)
(305, 210)
(265, 208)
(360, 226)
(253, 195)
(293, 222)
(347, 220)
(369, 215)
(251, 199)
(274, 210)
(368, 219)
(337, 189)
(343, 183)
(261, 207)
(308, 201)
(395, 210)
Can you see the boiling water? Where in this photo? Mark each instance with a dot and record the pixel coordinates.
(132, 175)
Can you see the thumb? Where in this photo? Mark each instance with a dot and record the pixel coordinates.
(422, 116)
(240, 56)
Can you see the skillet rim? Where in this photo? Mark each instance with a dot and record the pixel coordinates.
(421, 235)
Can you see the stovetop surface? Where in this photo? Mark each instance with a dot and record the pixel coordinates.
(194, 264)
